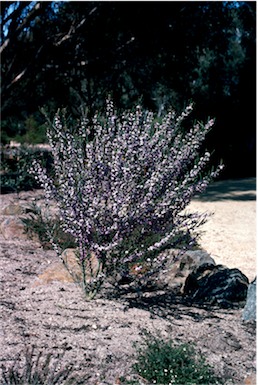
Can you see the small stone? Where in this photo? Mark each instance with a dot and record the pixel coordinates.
(12, 209)
(249, 312)
(13, 228)
(250, 380)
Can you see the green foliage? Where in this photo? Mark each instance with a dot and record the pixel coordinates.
(29, 130)
(35, 133)
(15, 176)
(15, 162)
(162, 362)
(39, 371)
(10, 127)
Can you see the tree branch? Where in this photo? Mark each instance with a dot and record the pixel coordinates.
(16, 28)
(73, 29)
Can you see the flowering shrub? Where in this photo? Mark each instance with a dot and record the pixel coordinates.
(122, 194)
(161, 361)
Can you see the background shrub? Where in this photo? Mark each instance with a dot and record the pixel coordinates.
(15, 164)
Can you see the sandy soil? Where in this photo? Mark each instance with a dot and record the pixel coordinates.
(98, 336)
(230, 233)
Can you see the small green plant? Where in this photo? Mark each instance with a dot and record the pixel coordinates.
(40, 371)
(161, 362)
(47, 229)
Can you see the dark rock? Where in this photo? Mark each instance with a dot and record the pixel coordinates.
(217, 284)
(180, 264)
(249, 312)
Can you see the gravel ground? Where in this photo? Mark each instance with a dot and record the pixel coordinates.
(98, 336)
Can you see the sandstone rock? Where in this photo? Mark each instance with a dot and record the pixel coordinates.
(250, 380)
(12, 209)
(13, 228)
(180, 265)
(216, 284)
(92, 266)
(69, 270)
(55, 272)
(249, 312)
(70, 258)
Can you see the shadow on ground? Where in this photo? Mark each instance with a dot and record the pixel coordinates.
(168, 304)
(232, 189)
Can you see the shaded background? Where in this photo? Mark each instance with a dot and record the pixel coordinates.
(161, 54)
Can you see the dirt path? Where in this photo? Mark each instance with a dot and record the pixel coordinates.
(98, 336)
(230, 233)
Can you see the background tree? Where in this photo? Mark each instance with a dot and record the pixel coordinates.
(72, 54)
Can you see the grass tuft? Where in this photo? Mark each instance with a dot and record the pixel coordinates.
(39, 370)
